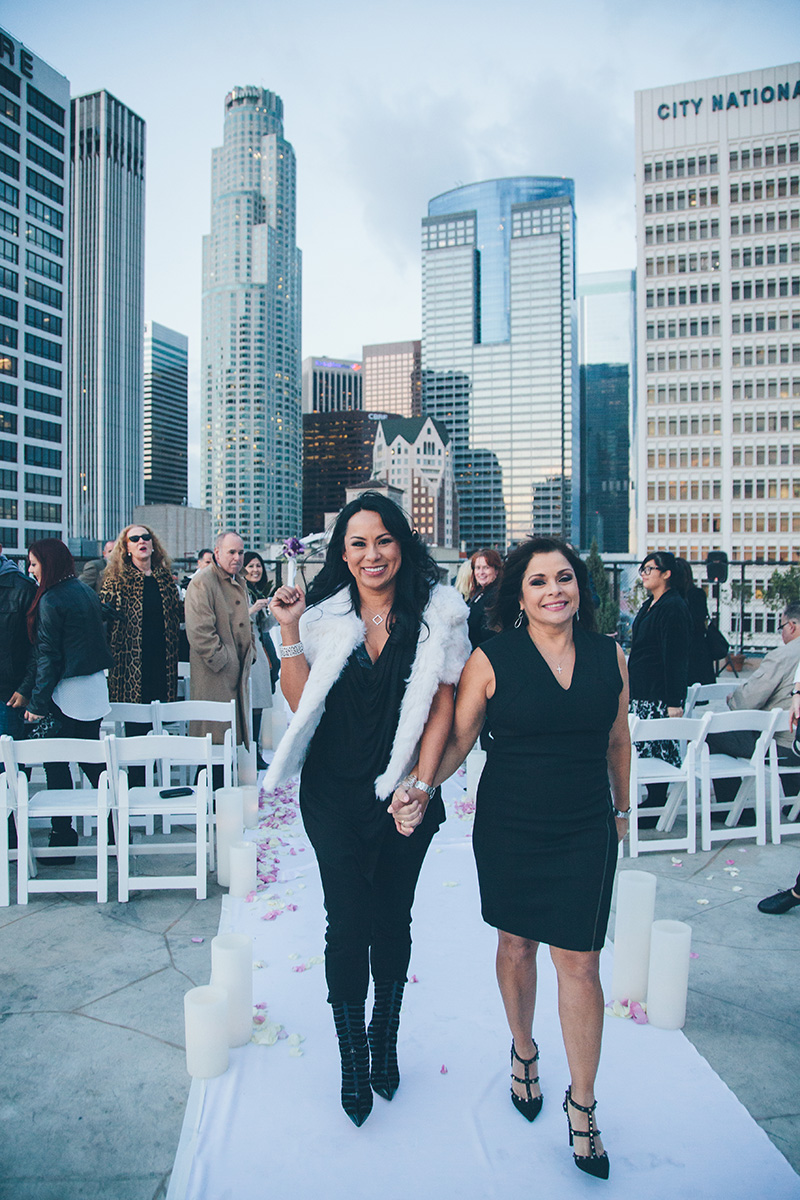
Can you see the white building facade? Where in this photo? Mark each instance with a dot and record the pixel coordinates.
(34, 302)
(413, 454)
(718, 228)
(250, 387)
(106, 419)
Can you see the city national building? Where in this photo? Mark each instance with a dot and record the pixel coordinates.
(34, 273)
(250, 359)
(499, 354)
(718, 225)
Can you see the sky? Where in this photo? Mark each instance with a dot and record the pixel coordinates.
(387, 106)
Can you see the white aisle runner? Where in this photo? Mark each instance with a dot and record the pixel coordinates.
(272, 1127)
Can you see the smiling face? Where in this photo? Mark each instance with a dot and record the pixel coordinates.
(253, 571)
(484, 574)
(140, 549)
(373, 556)
(550, 595)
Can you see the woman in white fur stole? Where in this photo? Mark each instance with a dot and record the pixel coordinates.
(369, 669)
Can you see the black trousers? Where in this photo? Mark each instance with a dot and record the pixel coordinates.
(58, 774)
(368, 881)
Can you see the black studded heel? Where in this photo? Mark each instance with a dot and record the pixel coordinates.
(530, 1106)
(592, 1163)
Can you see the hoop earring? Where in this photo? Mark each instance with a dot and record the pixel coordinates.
(518, 622)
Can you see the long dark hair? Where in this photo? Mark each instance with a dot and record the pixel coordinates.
(505, 610)
(57, 565)
(261, 589)
(415, 580)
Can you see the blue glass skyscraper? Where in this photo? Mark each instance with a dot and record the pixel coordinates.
(499, 353)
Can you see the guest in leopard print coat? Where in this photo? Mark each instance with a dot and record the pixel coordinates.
(139, 588)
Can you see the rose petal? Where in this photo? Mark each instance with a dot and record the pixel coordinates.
(198, 940)
(442, 1069)
(693, 954)
(702, 901)
(413, 979)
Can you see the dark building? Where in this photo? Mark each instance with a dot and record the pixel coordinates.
(166, 427)
(337, 454)
(605, 455)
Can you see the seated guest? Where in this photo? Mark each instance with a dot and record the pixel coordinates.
(770, 686)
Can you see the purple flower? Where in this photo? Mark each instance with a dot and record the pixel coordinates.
(292, 547)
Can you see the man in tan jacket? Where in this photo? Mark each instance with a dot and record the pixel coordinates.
(221, 638)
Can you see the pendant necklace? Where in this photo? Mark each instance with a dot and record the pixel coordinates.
(379, 618)
(556, 666)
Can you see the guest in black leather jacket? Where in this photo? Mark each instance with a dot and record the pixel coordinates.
(65, 626)
(16, 657)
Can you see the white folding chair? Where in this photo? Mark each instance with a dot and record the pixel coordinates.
(681, 782)
(777, 770)
(752, 771)
(707, 697)
(114, 722)
(180, 712)
(6, 809)
(58, 802)
(183, 681)
(158, 753)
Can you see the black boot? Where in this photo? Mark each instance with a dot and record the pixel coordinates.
(384, 1071)
(62, 834)
(356, 1092)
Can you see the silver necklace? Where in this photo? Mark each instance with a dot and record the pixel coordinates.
(378, 619)
(557, 666)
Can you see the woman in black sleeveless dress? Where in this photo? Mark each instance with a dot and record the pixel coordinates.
(546, 830)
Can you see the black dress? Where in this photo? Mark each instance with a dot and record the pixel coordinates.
(369, 871)
(545, 839)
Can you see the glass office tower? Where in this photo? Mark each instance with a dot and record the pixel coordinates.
(499, 354)
(166, 419)
(252, 428)
(107, 318)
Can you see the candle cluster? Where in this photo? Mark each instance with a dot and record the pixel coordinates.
(651, 958)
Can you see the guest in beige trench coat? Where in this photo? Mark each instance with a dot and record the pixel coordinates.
(221, 638)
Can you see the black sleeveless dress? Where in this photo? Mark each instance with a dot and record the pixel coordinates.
(545, 840)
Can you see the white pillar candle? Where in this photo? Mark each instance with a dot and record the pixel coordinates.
(292, 565)
(230, 826)
(243, 868)
(232, 971)
(205, 1011)
(278, 721)
(636, 900)
(476, 760)
(248, 771)
(668, 979)
(250, 805)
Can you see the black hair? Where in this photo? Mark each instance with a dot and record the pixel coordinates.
(665, 560)
(506, 608)
(262, 588)
(415, 580)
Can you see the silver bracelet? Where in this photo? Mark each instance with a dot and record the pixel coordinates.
(292, 651)
(623, 813)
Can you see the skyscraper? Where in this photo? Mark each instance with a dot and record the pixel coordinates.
(393, 378)
(34, 268)
(718, 230)
(606, 330)
(166, 428)
(251, 414)
(107, 317)
(332, 385)
(499, 354)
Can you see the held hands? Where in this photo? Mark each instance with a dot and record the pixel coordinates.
(675, 712)
(288, 605)
(408, 808)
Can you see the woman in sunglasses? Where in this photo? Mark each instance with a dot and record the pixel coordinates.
(146, 611)
(658, 665)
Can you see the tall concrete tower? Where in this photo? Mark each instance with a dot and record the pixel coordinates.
(251, 376)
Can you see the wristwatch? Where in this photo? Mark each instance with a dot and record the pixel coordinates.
(413, 782)
(624, 813)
